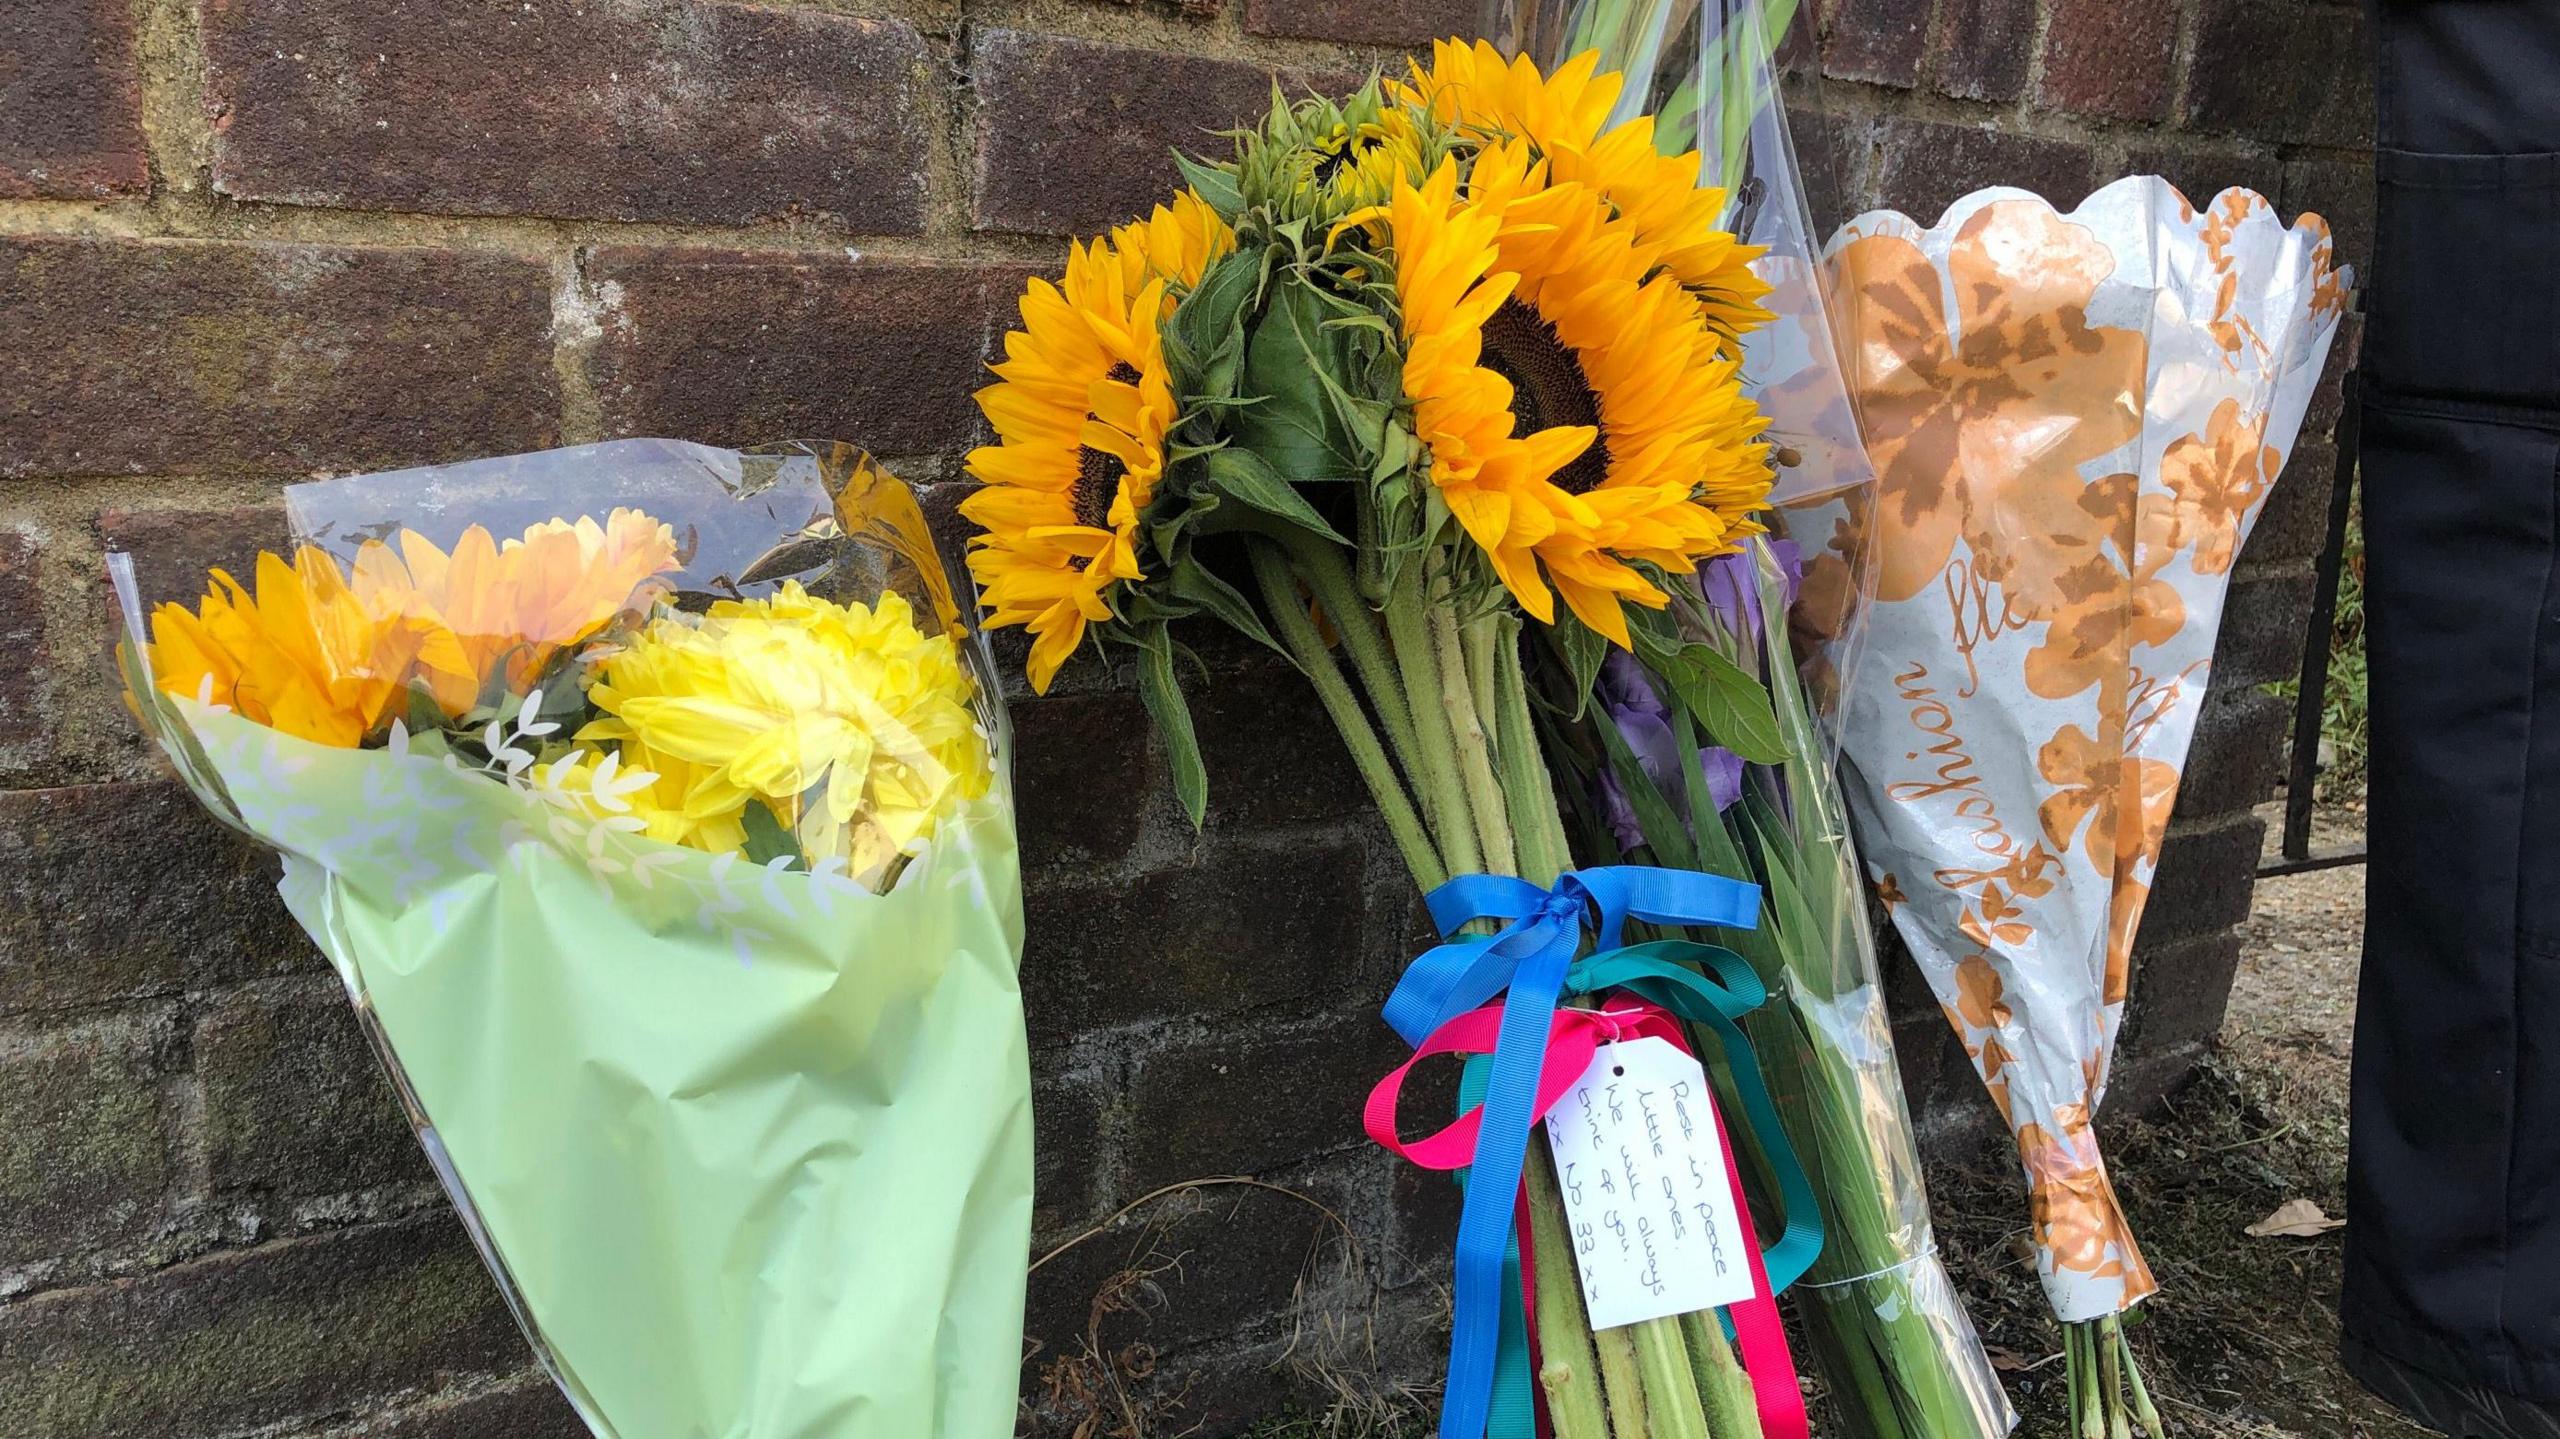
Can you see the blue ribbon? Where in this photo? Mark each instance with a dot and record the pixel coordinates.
(1526, 962)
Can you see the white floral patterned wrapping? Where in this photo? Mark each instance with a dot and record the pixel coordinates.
(2075, 420)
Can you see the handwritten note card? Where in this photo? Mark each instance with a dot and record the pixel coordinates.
(1646, 1193)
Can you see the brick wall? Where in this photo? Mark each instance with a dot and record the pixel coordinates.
(245, 241)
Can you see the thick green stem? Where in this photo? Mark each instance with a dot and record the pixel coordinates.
(1535, 820)
(2143, 1412)
(1475, 753)
(1733, 1411)
(1622, 1382)
(1329, 578)
(2111, 1379)
(1443, 796)
(1298, 635)
(1670, 1386)
(1568, 1369)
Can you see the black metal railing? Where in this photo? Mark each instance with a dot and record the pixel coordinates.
(2297, 856)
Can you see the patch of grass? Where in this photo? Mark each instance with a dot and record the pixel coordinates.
(2344, 730)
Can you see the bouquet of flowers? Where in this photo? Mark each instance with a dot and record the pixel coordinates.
(2075, 420)
(1746, 790)
(1412, 373)
(650, 800)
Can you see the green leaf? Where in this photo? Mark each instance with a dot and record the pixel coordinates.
(1247, 478)
(766, 838)
(1724, 696)
(1197, 584)
(1583, 649)
(1162, 692)
(1287, 362)
(425, 715)
(1214, 184)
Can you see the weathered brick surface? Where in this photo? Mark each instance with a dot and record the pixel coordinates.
(1069, 750)
(704, 112)
(1878, 41)
(22, 638)
(84, 1160)
(2262, 626)
(1414, 24)
(253, 1337)
(1922, 166)
(2281, 70)
(294, 1102)
(190, 357)
(2108, 60)
(1306, 1082)
(118, 892)
(70, 101)
(2295, 523)
(2202, 171)
(2180, 992)
(528, 1408)
(2204, 881)
(1184, 941)
(174, 551)
(735, 347)
(2239, 746)
(1989, 46)
(1075, 136)
(2341, 192)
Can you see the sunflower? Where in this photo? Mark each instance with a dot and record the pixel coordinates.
(1564, 120)
(847, 723)
(1320, 161)
(1080, 409)
(1595, 339)
(301, 653)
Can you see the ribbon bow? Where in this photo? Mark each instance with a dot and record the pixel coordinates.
(1526, 962)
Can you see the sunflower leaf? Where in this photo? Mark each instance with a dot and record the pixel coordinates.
(1287, 360)
(1215, 185)
(1196, 584)
(1733, 706)
(1161, 690)
(1246, 477)
(1583, 649)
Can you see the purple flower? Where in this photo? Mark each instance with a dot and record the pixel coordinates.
(1628, 700)
(1731, 585)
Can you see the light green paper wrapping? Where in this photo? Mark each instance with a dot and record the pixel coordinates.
(749, 1150)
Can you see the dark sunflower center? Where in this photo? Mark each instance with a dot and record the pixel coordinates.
(1548, 387)
(1098, 474)
(1336, 157)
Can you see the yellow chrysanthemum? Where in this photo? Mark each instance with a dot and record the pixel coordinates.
(1564, 119)
(330, 654)
(1080, 411)
(850, 726)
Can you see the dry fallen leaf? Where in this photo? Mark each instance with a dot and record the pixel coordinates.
(2295, 1219)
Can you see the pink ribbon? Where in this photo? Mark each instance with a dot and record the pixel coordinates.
(1574, 1037)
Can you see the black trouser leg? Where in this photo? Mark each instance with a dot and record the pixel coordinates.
(2453, 1250)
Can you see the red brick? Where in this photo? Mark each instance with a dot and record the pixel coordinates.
(23, 678)
(1877, 41)
(118, 892)
(2201, 171)
(1988, 44)
(83, 1161)
(739, 347)
(2106, 58)
(208, 356)
(1075, 136)
(70, 102)
(247, 1339)
(2340, 192)
(1922, 166)
(684, 111)
(1414, 24)
(2282, 70)
(174, 551)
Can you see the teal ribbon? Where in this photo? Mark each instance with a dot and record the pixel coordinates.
(1711, 985)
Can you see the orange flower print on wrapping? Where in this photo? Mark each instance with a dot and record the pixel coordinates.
(1994, 919)
(1979, 428)
(2117, 808)
(2112, 601)
(2218, 479)
(1981, 998)
(2073, 1207)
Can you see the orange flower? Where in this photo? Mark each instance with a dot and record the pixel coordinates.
(329, 655)
(2104, 607)
(1980, 422)
(1981, 999)
(2073, 1207)
(2219, 479)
